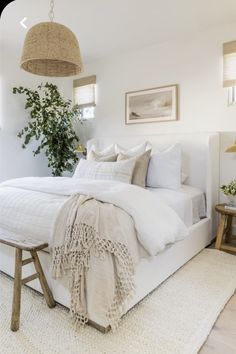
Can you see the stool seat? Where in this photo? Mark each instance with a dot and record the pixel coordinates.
(33, 247)
(24, 245)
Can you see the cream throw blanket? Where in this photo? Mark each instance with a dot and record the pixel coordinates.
(95, 244)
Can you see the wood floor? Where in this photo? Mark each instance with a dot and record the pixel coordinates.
(222, 339)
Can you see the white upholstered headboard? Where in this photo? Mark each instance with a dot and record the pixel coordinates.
(200, 157)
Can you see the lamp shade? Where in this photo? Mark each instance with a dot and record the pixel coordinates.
(229, 57)
(51, 49)
(231, 148)
(80, 148)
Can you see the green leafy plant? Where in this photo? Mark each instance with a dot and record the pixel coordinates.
(229, 189)
(51, 124)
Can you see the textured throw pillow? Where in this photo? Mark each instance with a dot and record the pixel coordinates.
(164, 170)
(140, 168)
(134, 151)
(117, 171)
(104, 158)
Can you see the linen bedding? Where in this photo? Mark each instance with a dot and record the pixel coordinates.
(95, 229)
(188, 202)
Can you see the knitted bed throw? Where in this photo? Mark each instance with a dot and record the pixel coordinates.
(95, 246)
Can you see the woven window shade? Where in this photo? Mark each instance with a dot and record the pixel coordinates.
(229, 52)
(84, 91)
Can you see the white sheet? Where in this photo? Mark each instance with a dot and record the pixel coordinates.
(29, 206)
(188, 202)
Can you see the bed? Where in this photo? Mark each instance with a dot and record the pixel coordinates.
(200, 162)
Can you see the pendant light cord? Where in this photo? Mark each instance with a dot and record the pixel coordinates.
(51, 12)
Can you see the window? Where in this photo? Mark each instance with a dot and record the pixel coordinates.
(85, 96)
(232, 95)
(229, 70)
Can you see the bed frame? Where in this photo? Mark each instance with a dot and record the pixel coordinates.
(201, 163)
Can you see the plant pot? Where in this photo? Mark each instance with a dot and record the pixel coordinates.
(231, 200)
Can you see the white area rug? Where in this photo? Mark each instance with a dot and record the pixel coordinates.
(175, 319)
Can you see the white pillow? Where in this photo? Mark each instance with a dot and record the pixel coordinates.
(102, 158)
(164, 170)
(121, 171)
(136, 150)
(109, 150)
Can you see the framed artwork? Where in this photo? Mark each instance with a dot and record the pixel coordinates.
(152, 105)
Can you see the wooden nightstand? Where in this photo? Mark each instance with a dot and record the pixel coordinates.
(225, 240)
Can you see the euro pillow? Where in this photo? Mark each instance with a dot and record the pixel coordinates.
(134, 151)
(164, 170)
(140, 168)
(109, 150)
(103, 158)
(121, 171)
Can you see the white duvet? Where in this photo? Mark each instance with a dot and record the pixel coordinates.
(29, 207)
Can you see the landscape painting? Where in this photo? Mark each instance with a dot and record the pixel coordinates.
(152, 105)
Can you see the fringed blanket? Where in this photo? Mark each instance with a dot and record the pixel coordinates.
(94, 243)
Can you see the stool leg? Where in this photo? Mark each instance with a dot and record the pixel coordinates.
(15, 319)
(220, 232)
(46, 291)
(228, 229)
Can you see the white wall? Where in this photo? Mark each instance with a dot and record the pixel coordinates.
(228, 160)
(15, 161)
(195, 65)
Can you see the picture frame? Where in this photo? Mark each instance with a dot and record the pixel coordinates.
(158, 104)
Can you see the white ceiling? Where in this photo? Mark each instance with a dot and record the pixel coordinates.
(107, 27)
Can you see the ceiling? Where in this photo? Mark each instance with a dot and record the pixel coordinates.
(108, 27)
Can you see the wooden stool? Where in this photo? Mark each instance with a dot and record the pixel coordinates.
(225, 240)
(18, 281)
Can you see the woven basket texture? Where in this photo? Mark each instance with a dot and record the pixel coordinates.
(51, 49)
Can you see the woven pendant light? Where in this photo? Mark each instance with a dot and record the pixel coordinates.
(51, 49)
